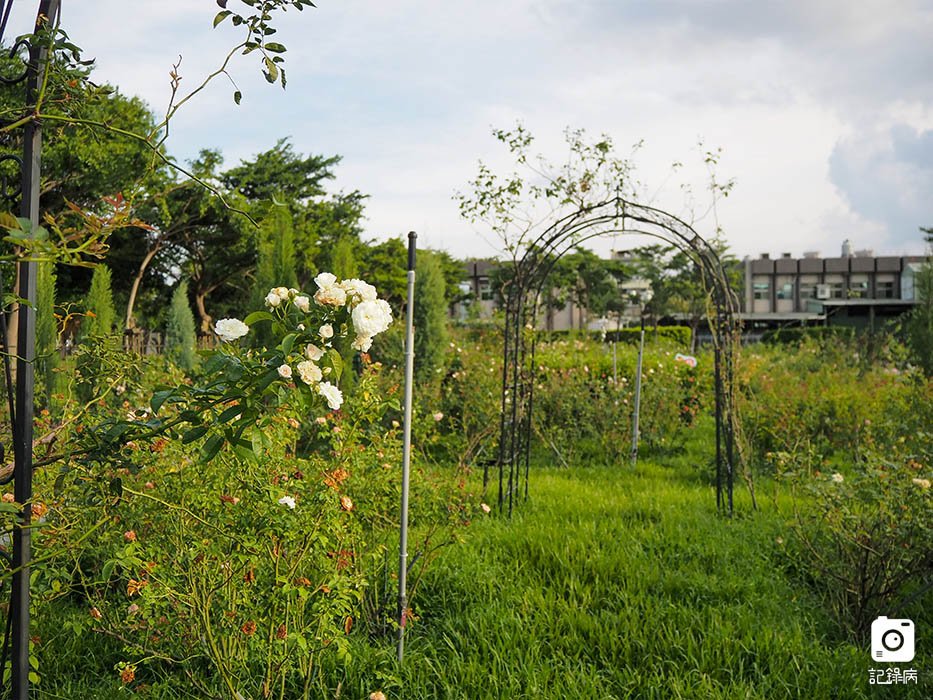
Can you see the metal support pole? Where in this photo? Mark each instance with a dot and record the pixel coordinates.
(641, 350)
(25, 376)
(406, 447)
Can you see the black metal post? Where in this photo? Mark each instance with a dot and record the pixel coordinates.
(25, 375)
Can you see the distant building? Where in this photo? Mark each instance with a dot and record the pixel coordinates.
(857, 288)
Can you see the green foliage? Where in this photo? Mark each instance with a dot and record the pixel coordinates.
(795, 336)
(343, 259)
(180, 336)
(99, 310)
(920, 321)
(862, 539)
(275, 261)
(678, 336)
(430, 317)
(47, 358)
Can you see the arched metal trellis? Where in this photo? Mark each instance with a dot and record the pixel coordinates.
(15, 644)
(522, 292)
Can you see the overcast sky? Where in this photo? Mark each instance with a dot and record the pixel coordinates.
(823, 108)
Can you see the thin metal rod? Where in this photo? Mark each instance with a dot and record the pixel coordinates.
(641, 351)
(406, 447)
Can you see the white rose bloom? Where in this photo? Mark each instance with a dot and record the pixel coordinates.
(303, 304)
(292, 292)
(371, 318)
(281, 292)
(358, 290)
(273, 299)
(285, 372)
(309, 372)
(325, 280)
(287, 501)
(313, 352)
(326, 331)
(229, 329)
(363, 343)
(331, 394)
(331, 296)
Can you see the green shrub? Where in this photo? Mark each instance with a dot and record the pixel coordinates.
(101, 314)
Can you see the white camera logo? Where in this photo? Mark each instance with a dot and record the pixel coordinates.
(892, 641)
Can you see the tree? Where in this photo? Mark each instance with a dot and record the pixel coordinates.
(343, 259)
(919, 325)
(180, 335)
(99, 310)
(430, 316)
(46, 330)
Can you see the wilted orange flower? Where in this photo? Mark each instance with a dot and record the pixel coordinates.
(248, 628)
(9, 498)
(158, 445)
(134, 586)
(346, 503)
(95, 613)
(232, 500)
(281, 632)
(249, 576)
(130, 535)
(378, 695)
(302, 581)
(128, 674)
(39, 509)
(348, 625)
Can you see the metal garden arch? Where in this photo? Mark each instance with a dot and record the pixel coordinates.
(522, 293)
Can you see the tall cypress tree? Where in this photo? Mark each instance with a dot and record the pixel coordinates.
(180, 335)
(430, 316)
(343, 259)
(100, 310)
(46, 331)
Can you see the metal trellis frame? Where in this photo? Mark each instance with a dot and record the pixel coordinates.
(522, 293)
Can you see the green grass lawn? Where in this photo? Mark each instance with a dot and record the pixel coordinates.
(620, 583)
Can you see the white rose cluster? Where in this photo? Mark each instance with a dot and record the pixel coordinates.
(368, 316)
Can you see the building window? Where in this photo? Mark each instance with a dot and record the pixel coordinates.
(485, 291)
(807, 290)
(858, 286)
(884, 289)
(761, 290)
(786, 291)
(837, 290)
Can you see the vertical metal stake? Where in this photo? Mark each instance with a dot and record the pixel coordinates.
(406, 447)
(641, 350)
(25, 376)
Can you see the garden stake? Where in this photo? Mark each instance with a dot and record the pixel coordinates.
(25, 355)
(406, 446)
(641, 350)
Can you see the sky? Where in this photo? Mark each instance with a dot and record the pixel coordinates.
(823, 109)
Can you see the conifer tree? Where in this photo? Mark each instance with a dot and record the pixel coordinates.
(46, 331)
(180, 335)
(430, 316)
(99, 306)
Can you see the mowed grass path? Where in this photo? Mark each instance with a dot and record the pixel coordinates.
(614, 583)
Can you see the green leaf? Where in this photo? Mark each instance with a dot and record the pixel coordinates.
(272, 71)
(221, 16)
(210, 448)
(256, 440)
(336, 361)
(288, 342)
(159, 398)
(275, 47)
(229, 413)
(237, 96)
(194, 434)
(258, 316)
